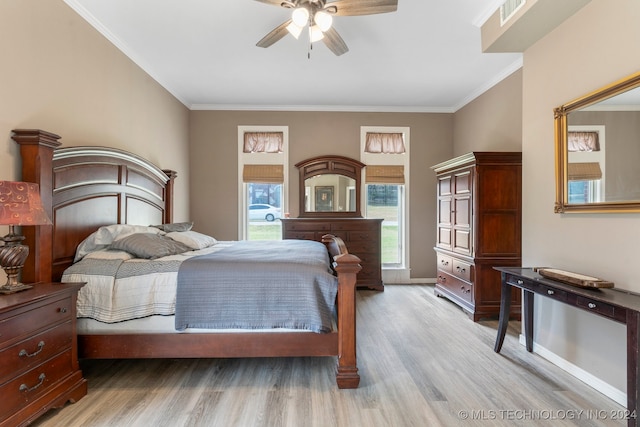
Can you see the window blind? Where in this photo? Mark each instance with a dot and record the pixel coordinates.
(392, 174)
(584, 171)
(267, 174)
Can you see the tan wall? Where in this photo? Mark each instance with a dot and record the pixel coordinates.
(595, 47)
(59, 74)
(214, 168)
(493, 121)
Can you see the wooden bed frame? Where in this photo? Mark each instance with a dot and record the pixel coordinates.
(83, 188)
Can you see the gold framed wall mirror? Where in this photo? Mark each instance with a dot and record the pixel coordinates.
(597, 143)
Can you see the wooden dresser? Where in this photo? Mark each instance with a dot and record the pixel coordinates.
(39, 366)
(361, 235)
(479, 222)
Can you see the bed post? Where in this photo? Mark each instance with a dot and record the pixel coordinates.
(347, 266)
(36, 150)
(168, 195)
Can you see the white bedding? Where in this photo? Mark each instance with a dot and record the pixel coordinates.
(109, 300)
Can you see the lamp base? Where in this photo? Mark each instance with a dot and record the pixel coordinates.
(6, 289)
(12, 258)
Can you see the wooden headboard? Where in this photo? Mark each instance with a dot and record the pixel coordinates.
(83, 188)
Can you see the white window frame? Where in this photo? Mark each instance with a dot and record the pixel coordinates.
(399, 274)
(260, 159)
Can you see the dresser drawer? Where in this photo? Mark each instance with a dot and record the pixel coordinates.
(39, 317)
(361, 247)
(455, 286)
(301, 235)
(24, 355)
(462, 270)
(29, 386)
(355, 226)
(307, 226)
(445, 263)
(364, 235)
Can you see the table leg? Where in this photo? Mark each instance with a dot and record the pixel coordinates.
(527, 315)
(505, 309)
(633, 370)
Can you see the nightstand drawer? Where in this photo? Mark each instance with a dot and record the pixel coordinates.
(39, 318)
(34, 383)
(26, 354)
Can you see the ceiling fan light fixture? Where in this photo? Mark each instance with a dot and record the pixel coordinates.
(294, 30)
(315, 34)
(300, 16)
(323, 20)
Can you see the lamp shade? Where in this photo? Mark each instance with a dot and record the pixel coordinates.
(20, 204)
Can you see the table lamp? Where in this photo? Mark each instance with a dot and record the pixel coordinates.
(20, 204)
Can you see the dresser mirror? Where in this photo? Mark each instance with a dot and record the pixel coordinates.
(330, 187)
(597, 140)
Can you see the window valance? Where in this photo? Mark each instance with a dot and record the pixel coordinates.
(384, 143)
(263, 142)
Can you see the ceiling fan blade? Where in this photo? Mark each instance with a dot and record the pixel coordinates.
(271, 2)
(334, 42)
(276, 34)
(363, 7)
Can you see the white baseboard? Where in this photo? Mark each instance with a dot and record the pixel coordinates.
(608, 390)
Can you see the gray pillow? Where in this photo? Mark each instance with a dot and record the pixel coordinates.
(175, 226)
(149, 246)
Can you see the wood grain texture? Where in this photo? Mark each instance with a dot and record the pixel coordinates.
(422, 363)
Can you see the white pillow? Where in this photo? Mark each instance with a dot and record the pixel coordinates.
(105, 235)
(193, 239)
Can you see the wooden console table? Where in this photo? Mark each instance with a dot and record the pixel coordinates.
(614, 304)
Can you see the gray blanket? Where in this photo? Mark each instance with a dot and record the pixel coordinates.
(258, 285)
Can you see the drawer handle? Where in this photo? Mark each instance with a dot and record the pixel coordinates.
(24, 387)
(443, 262)
(460, 269)
(62, 309)
(550, 292)
(24, 352)
(442, 279)
(591, 305)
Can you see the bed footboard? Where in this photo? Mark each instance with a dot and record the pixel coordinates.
(347, 267)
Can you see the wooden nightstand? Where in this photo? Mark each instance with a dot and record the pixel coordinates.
(39, 367)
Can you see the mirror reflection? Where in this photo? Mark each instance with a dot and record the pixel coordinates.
(330, 193)
(603, 143)
(598, 150)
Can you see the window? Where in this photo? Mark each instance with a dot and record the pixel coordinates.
(263, 178)
(385, 151)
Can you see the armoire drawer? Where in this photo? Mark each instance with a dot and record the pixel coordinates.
(454, 285)
(462, 270)
(445, 263)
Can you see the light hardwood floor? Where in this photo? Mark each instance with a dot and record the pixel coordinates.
(422, 363)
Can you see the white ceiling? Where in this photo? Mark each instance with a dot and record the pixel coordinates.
(425, 57)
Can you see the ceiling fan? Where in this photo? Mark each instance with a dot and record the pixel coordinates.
(318, 15)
